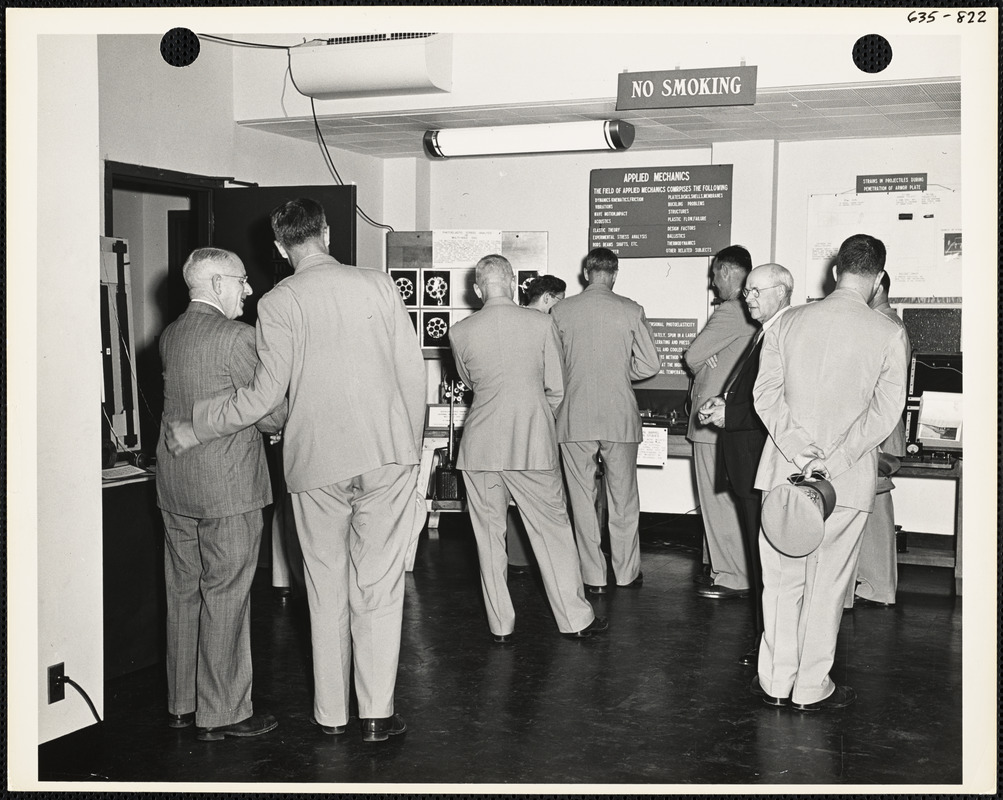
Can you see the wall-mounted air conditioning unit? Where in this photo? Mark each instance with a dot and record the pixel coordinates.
(374, 65)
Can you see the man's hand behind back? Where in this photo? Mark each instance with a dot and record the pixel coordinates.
(179, 436)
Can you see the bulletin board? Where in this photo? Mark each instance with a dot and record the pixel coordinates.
(434, 273)
(921, 231)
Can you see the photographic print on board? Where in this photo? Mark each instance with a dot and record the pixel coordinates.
(524, 277)
(407, 284)
(413, 315)
(435, 329)
(461, 289)
(436, 285)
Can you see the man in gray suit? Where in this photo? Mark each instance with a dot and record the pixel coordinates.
(831, 386)
(607, 344)
(211, 499)
(338, 339)
(511, 358)
(712, 356)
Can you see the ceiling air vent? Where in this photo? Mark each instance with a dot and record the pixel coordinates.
(374, 65)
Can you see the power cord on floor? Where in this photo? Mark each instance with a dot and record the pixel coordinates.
(79, 688)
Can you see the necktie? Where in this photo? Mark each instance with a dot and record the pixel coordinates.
(752, 352)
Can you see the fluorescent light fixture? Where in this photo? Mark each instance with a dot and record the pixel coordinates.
(600, 134)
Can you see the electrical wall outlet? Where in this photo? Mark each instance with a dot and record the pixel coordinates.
(57, 688)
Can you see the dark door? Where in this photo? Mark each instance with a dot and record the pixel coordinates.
(241, 224)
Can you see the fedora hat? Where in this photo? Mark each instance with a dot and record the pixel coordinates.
(795, 512)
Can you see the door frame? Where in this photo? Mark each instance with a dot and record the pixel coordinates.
(198, 188)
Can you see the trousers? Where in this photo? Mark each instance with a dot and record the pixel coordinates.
(538, 495)
(354, 535)
(623, 502)
(803, 607)
(208, 569)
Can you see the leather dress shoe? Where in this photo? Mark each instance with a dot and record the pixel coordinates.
(757, 689)
(379, 730)
(593, 589)
(751, 658)
(181, 720)
(598, 625)
(703, 577)
(841, 698)
(634, 584)
(716, 592)
(330, 730)
(501, 638)
(252, 726)
(866, 601)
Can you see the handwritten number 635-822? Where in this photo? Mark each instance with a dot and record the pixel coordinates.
(961, 17)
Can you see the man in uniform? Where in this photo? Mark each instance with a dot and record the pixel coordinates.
(711, 357)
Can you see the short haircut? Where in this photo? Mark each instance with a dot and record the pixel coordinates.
(861, 255)
(886, 283)
(298, 221)
(542, 285)
(779, 275)
(600, 259)
(201, 263)
(492, 269)
(736, 255)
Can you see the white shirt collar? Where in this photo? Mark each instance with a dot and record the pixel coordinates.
(209, 303)
(769, 323)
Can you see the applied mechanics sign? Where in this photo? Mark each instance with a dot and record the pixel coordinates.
(686, 88)
(652, 212)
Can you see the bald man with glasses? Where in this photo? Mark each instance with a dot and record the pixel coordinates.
(741, 433)
(211, 499)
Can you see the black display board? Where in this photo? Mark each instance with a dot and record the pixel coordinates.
(653, 212)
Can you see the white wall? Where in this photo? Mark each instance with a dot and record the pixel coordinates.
(156, 115)
(807, 168)
(579, 59)
(69, 344)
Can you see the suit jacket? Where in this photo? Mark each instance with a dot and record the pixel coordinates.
(894, 445)
(339, 340)
(511, 357)
(727, 335)
(743, 436)
(833, 374)
(203, 353)
(607, 344)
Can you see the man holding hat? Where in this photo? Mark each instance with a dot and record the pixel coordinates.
(831, 386)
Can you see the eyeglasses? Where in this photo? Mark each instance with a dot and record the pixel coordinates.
(241, 278)
(755, 291)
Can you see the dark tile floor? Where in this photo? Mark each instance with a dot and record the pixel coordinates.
(660, 699)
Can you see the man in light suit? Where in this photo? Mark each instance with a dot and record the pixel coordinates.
(607, 344)
(338, 339)
(831, 386)
(211, 499)
(542, 294)
(877, 564)
(511, 358)
(741, 434)
(711, 357)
